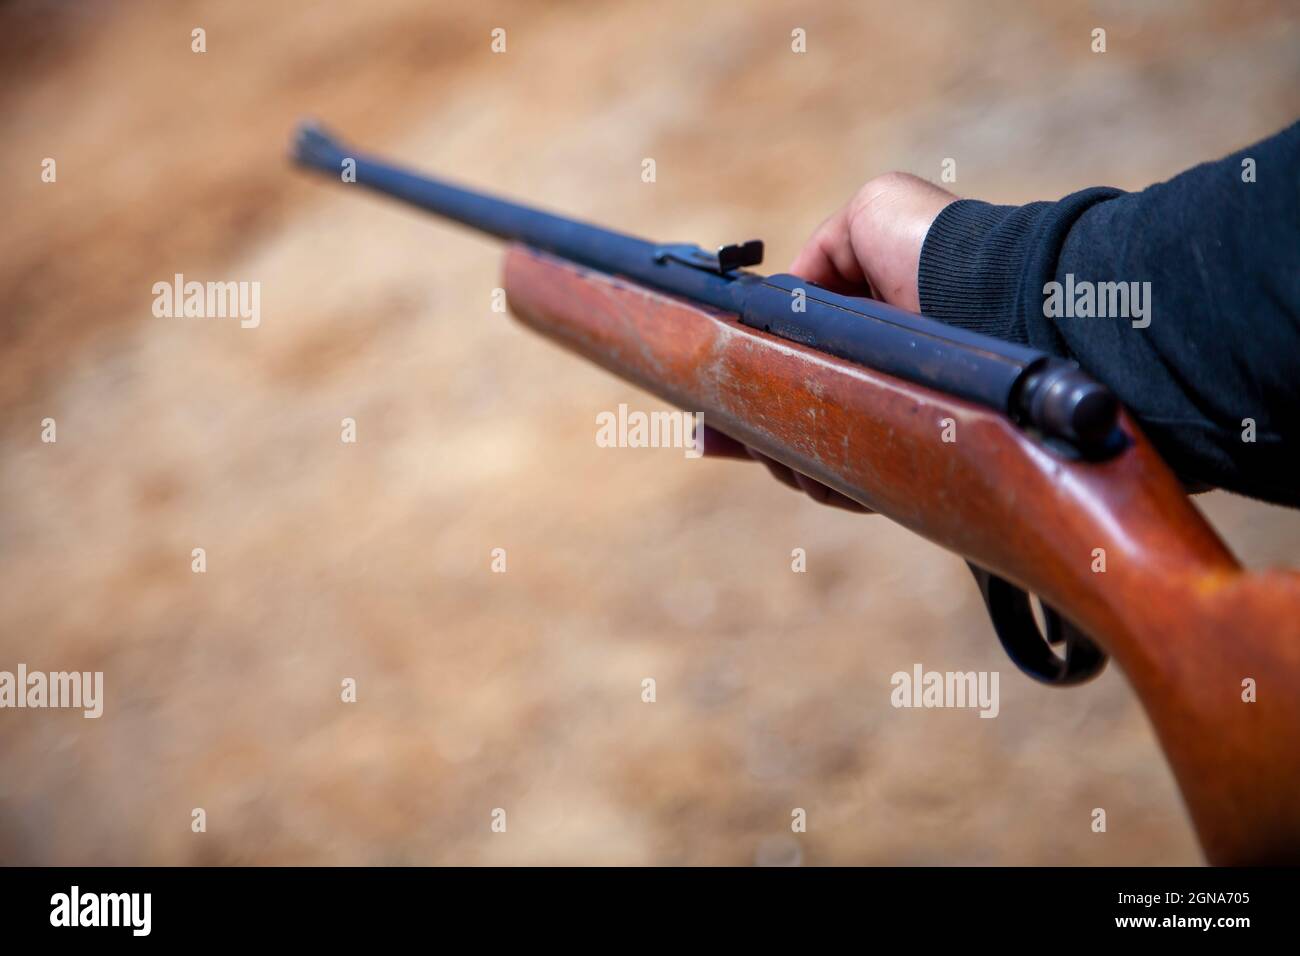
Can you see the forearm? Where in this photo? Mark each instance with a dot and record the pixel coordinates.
(1208, 333)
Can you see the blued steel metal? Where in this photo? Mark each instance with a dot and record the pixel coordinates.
(1048, 394)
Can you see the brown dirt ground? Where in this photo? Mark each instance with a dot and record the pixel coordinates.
(522, 690)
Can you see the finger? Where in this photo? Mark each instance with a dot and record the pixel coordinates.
(828, 258)
(814, 489)
(845, 503)
(717, 445)
(829, 496)
(779, 471)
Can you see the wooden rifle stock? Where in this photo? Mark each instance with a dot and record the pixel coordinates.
(1179, 615)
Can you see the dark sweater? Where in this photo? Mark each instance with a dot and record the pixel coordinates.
(1222, 256)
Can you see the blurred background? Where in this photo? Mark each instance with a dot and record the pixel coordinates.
(371, 561)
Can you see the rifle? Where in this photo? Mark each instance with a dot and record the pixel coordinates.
(1049, 488)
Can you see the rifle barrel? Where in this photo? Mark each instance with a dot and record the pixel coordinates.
(1049, 394)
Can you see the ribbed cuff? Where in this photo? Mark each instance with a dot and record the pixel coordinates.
(971, 266)
(983, 266)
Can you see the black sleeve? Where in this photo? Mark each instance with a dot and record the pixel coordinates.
(1207, 336)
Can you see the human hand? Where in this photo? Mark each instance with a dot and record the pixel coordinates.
(872, 245)
(869, 247)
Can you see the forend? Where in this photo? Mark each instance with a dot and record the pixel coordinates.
(1046, 395)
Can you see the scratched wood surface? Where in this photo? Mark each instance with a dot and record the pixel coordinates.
(1172, 606)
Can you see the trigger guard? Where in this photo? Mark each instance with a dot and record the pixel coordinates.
(1027, 646)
